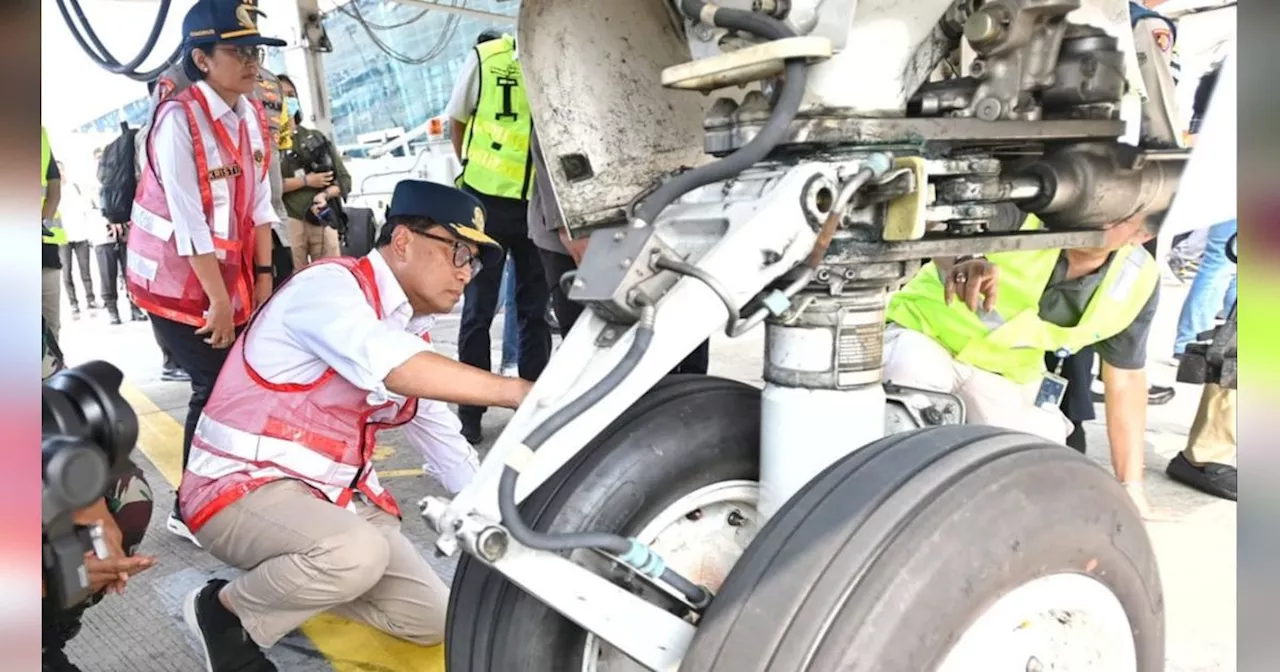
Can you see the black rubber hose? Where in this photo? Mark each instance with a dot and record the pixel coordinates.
(507, 484)
(103, 58)
(784, 112)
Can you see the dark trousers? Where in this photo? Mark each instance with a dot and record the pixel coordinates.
(200, 360)
(111, 258)
(567, 311)
(80, 251)
(1077, 404)
(506, 223)
(281, 261)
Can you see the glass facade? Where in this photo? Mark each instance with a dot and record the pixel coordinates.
(369, 89)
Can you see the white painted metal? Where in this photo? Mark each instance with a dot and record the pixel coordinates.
(798, 440)
(700, 536)
(644, 631)
(1060, 622)
(764, 217)
(305, 66)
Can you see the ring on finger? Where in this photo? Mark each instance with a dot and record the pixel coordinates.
(961, 277)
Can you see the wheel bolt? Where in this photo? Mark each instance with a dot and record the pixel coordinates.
(736, 519)
(695, 514)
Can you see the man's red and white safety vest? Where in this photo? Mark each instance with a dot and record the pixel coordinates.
(160, 280)
(254, 432)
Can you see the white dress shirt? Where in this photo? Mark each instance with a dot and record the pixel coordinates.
(320, 319)
(175, 163)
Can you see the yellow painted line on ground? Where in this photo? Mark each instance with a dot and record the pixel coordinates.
(349, 646)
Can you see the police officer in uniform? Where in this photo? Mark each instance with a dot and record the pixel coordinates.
(491, 127)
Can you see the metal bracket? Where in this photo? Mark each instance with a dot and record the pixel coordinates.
(742, 66)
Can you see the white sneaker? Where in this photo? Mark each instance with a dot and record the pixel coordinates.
(179, 528)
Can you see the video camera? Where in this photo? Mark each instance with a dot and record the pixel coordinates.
(87, 431)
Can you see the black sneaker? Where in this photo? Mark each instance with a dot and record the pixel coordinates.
(55, 660)
(1214, 479)
(175, 374)
(471, 432)
(113, 316)
(138, 315)
(224, 642)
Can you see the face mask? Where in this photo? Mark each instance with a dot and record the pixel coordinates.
(292, 104)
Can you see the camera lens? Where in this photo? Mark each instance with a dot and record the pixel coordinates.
(85, 403)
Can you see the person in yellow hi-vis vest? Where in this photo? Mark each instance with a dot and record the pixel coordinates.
(51, 236)
(491, 127)
(988, 346)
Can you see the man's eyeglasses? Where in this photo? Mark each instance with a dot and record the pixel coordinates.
(245, 54)
(462, 255)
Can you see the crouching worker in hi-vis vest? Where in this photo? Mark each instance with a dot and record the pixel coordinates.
(199, 250)
(979, 328)
(281, 481)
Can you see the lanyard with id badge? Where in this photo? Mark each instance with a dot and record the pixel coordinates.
(1053, 387)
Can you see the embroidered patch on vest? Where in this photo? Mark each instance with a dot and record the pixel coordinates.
(224, 172)
(258, 156)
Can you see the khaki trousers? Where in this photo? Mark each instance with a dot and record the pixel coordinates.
(1212, 438)
(915, 360)
(309, 243)
(303, 555)
(51, 299)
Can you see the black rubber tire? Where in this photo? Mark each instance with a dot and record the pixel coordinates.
(882, 562)
(688, 432)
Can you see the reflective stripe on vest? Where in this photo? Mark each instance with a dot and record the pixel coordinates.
(496, 158)
(160, 280)
(320, 433)
(1011, 340)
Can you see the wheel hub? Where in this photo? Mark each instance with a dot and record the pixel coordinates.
(1056, 623)
(700, 536)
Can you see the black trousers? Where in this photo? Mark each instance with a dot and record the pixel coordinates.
(200, 360)
(281, 261)
(1077, 404)
(111, 257)
(80, 251)
(506, 223)
(567, 312)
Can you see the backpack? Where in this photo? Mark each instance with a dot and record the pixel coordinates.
(118, 177)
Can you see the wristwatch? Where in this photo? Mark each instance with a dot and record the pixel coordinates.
(263, 270)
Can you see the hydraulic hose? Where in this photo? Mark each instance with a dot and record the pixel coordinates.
(99, 54)
(630, 551)
(784, 112)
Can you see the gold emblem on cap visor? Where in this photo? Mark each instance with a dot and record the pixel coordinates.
(247, 15)
(477, 219)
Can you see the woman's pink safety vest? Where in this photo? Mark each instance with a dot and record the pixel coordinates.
(160, 280)
(254, 432)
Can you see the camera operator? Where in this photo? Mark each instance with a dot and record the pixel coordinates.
(124, 512)
(315, 182)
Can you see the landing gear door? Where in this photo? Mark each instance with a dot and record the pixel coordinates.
(607, 126)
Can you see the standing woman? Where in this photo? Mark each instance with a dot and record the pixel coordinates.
(199, 256)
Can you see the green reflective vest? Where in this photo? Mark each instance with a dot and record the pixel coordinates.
(495, 156)
(1011, 340)
(57, 234)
